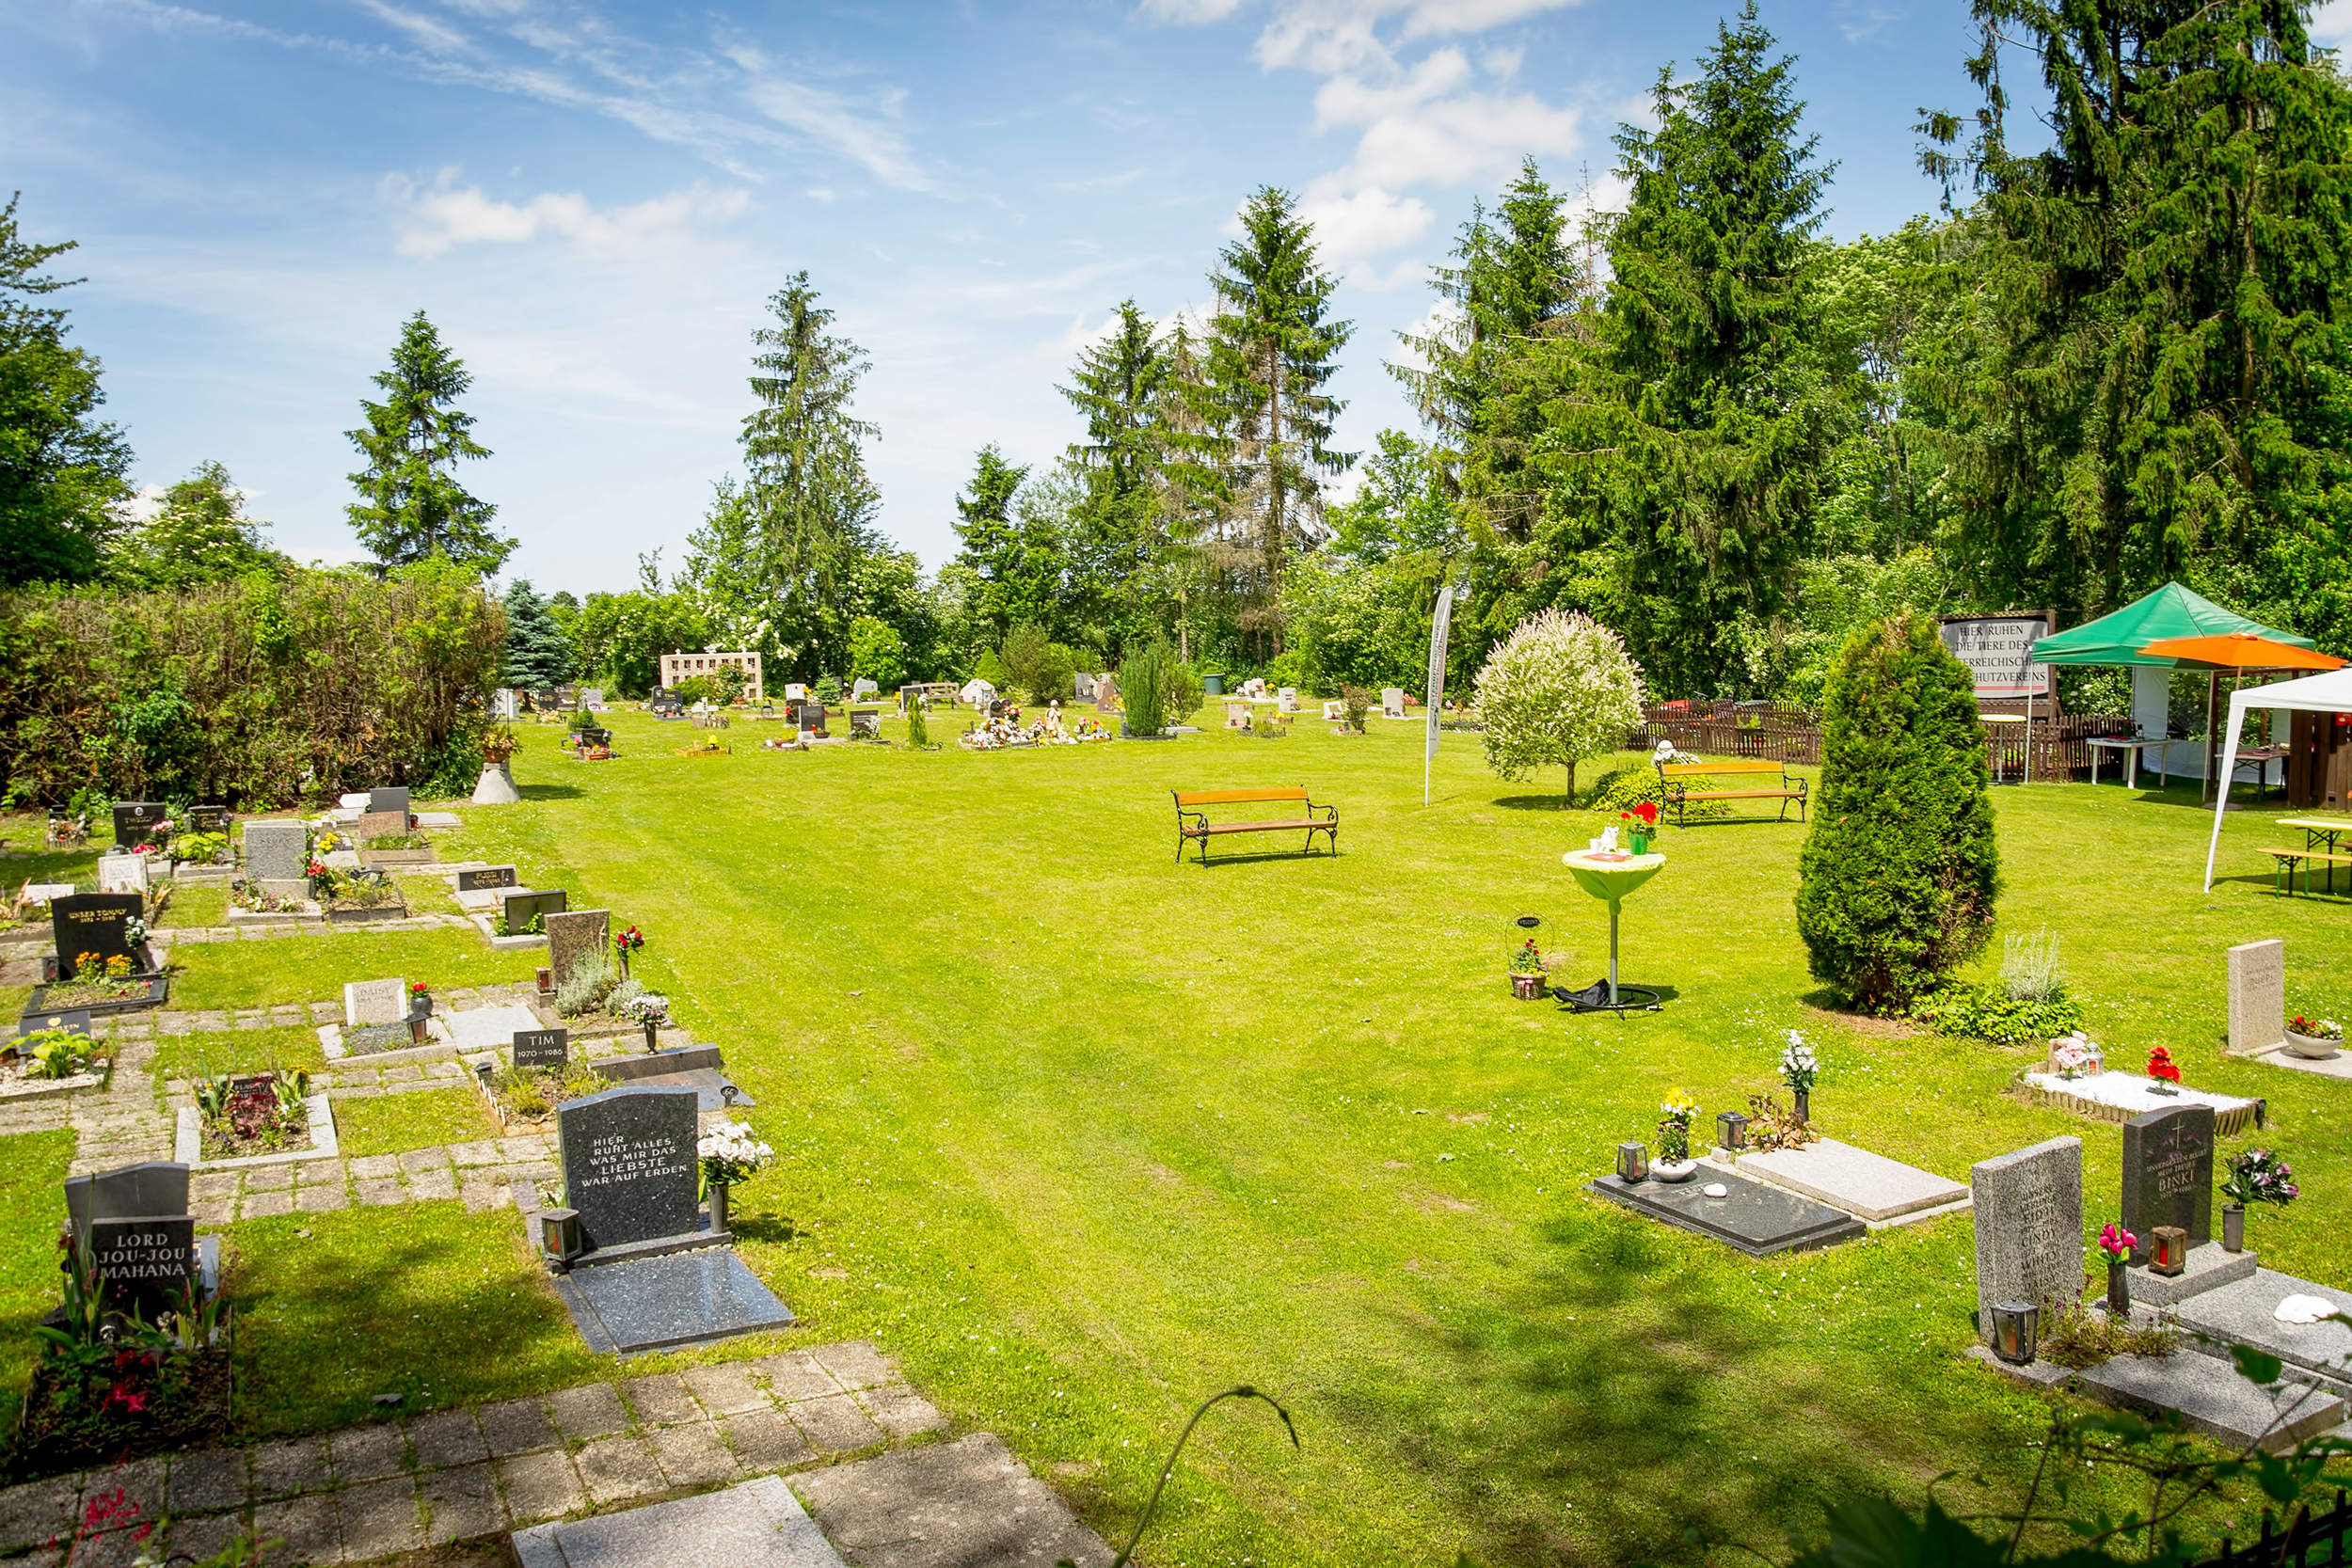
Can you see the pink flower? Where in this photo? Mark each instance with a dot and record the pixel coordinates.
(2115, 1241)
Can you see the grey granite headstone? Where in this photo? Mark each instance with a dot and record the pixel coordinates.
(629, 1165)
(378, 824)
(577, 939)
(2258, 997)
(374, 1001)
(522, 908)
(2029, 1227)
(276, 850)
(140, 1233)
(128, 1192)
(93, 923)
(542, 1047)
(208, 819)
(486, 878)
(2168, 1175)
(389, 800)
(136, 819)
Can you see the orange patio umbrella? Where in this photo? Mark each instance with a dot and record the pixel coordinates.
(2242, 650)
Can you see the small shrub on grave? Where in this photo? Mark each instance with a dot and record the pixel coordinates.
(2075, 1335)
(1773, 1126)
(918, 732)
(585, 989)
(364, 889)
(1044, 669)
(1140, 689)
(268, 1113)
(50, 1053)
(1989, 1013)
(1900, 872)
(200, 848)
(696, 689)
(530, 1093)
(1355, 701)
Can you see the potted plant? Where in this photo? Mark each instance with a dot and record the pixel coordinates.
(420, 999)
(1799, 1067)
(2163, 1070)
(2072, 1056)
(730, 1155)
(2316, 1037)
(1528, 975)
(1639, 822)
(1674, 1162)
(650, 1010)
(2256, 1176)
(2117, 1242)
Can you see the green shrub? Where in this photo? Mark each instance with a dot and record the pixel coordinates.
(696, 689)
(1141, 690)
(1037, 665)
(1181, 687)
(1990, 1013)
(1898, 876)
(918, 733)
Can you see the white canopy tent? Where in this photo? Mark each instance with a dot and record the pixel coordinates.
(2328, 694)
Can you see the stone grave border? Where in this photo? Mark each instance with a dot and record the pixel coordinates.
(187, 1143)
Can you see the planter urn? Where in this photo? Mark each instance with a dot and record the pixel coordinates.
(1805, 1107)
(2233, 1227)
(2312, 1046)
(717, 1208)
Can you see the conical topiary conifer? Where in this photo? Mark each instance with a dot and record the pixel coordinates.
(1898, 876)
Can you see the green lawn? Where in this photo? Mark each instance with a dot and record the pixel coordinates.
(31, 1209)
(186, 1056)
(395, 1123)
(1083, 1134)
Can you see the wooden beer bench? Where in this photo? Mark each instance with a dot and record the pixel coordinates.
(1193, 824)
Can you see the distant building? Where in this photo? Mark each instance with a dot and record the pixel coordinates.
(678, 667)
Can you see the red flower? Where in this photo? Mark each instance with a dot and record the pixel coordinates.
(2160, 1066)
(1647, 811)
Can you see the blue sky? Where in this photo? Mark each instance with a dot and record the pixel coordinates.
(593, 199)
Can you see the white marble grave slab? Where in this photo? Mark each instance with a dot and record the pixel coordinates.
(122, 874)
(486, 1028)
(353, 803)
(2337, 1064)
(435, 818)
(1865, 1185)
(374, 1001)
(40, 893)
(2134, 1092)
(756, 1524)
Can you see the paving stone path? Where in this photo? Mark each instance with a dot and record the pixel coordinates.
(368, 1492)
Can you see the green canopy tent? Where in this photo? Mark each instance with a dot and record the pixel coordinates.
(2171, 610)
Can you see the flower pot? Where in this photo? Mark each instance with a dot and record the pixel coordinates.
(1640, 843)
(1672, 1170)
(2118, 1289)
(1528, 988)
(717, 1208)
(2312, 1046)
(653, 1036)
(1804, 1106)
(2233, 1227)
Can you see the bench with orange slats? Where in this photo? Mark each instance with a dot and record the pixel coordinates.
(1193, 825)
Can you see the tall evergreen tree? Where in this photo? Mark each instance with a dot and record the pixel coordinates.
(538, 655)
(1696, 436)
(61, 469)
(2157, 392)
(994, 547)
(1271, 347)
(808, 488)
(411, 504)
(1117, 532)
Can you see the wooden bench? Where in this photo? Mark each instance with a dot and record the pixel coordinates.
(1193, 824)
(1678, 799)
(2282, 863)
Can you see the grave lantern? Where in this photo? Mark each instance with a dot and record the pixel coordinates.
(1633, 1161)
(559, 1233)
(2016, 1330)
(1731, 1130)
(2171, 1250)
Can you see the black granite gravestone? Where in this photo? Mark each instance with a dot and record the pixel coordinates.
(95, 923)
(136, 819)
(629, 1165)
(208, 819)
(524, 908)
(542, 1047)
(140, 1234)
(485, 879)
(2168, 1175)
(73, 1023)
(1757, 1219)
(387, 799)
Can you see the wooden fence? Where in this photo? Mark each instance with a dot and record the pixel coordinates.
(1784, 731)
(2310, 1542)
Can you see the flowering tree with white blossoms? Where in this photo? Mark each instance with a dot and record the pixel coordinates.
(1561, 688)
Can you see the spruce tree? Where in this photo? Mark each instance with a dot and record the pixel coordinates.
(411, 504)
(538, 655)
(1271, 348)
(1900, 872)
(1117, 533)
(992, 546)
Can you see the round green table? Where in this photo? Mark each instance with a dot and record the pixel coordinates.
(1612, 880)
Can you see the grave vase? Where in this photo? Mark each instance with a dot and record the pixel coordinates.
(2233, 1227)
(1805, 1106)
(2118, 1289)
(717, 1208)
(653, 1034)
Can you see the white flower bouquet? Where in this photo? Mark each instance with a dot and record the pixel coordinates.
(1799, 1067)
(730, 1155)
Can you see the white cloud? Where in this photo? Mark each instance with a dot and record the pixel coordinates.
(1190, 12)
(2331, 23)
(1363, 223)
(436, 218)
(829, 118)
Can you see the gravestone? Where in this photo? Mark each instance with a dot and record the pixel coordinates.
(577, 939)
(95, 923)
(208, 819)
(2029, 1227)
(122, 874)
(42, 893)
(592, 697)
(505, 704)
(1392, 702)
(809, 715)
(521, 906)
(862, 688)
(74, 1022)
(1749, 1215)
(374, 1001)
(1286, 700)
(140, 1234)
(2258, 997)
(629, 1165)
(378, 824)
(542, 1047)
(136, 819)
(1106, 693)
(2168, 1175)
(389, 799)
(486, 878)
(866, 724)
(278, 850)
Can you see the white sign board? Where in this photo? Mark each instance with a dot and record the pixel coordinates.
(1993, 647)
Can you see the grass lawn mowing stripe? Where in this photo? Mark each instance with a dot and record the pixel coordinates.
(421, 1118)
